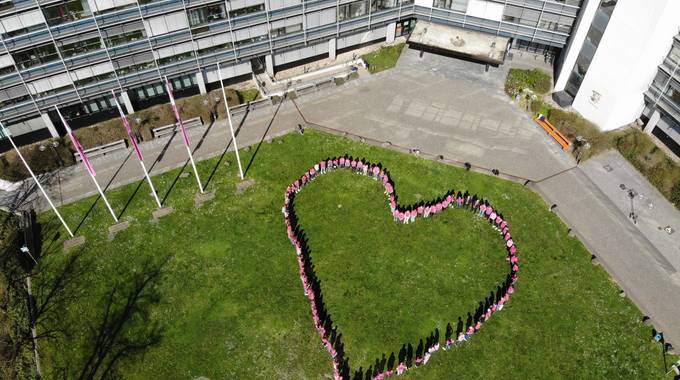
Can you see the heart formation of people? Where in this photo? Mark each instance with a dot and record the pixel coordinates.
(323, 323)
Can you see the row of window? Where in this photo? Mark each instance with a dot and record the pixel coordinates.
(519, 15)
(592, 41)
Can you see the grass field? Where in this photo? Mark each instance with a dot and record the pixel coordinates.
(215, 292)
(384, 58)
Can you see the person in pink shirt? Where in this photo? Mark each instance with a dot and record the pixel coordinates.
(488, 211)
(401, 368)
(421, 210)
(513, 249)
(353, 164)
(413, 215)
(323, 167)
(376, 171)
(342, 161)
(482, 209)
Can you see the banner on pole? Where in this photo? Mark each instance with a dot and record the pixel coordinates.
(168, 86)
(126, 124)
(77, 145)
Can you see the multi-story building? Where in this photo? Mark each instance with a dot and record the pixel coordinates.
(621, 65)
(662, 100)
(72, 53)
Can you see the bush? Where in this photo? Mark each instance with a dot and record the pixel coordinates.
(675, 194)
(339, 81)
(535, 80)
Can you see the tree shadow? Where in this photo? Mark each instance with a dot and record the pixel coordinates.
(126, 327)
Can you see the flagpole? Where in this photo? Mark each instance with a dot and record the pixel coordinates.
(133, 141)
(231, 126)
(183, 132)
(88, 166)
(21, 157)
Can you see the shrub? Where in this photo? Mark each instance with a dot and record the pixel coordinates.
(339, 81)
(353, 75)
(535, 80)
(675, 194)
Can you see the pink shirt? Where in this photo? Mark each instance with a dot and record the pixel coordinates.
(376, 170)
(323, 165)
(354, 164)
(342, 161)
(421, 209)
(488, 211)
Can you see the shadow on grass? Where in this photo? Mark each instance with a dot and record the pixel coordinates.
(99, 196)
(126, 327)
(269, 126)
(224, 152)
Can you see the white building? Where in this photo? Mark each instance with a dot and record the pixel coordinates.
(613, 57)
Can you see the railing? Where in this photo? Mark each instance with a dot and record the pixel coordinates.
(102, 150)
(173, 128)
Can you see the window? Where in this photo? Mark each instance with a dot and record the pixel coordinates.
(353, 10)
(602, 15)
(79, 44)
(286, 30)
(122, 34)
(378, 5)
(205, 15)
(455, 5)
(246, 10)
(21, 23)
(674, 55)
(35, 56)
(175, 58)
(135, 62)
(66, 11)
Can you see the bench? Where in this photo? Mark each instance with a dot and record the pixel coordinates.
(102, 150)
(554, 133)
(172, 128)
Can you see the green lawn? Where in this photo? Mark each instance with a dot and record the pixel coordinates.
(384, 58)
(227, 301)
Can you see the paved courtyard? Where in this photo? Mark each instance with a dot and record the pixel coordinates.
(455, 108)
(441, 106)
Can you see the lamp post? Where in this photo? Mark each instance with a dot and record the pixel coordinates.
(53, 146)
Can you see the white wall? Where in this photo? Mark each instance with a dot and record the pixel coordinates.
(638, 37)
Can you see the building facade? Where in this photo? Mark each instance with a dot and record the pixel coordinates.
(72, 53)
(619, 64)
(662, 100)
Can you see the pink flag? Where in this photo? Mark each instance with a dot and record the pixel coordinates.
(176, 111)
(126, 124)
(77, 145)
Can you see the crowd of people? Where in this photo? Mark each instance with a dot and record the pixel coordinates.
(322, 320)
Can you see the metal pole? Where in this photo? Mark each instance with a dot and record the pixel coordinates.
(193, 165)
(133, 141)
(153, 190)
(183, 131)
(21, 157)
(231, 126)
(85, 160)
